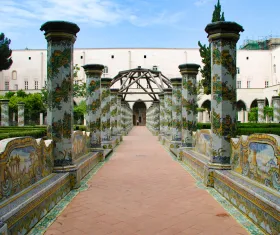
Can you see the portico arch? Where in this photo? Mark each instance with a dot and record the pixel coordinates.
(139, 113)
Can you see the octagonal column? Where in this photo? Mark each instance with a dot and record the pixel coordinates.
(4, 112)
(162, 112)
(60, 36)
(114, 111)
(123, 117)
(168, 111)
(156, 117)
(223, 37)
(21, 113)
(119, 116)
(276, 108)
(261, 118)
(189, 102)
(176, 109)
(105, 110)
(93, 102)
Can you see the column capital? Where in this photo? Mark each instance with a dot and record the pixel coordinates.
(176, 81)
(93, 69)
(4, 101)
(114, 91)
(106, 81)
(167, 91)
(189, 68)
(20, 103)
(223, 30)
(60, 30)
(276, 97)
(260, 100)
(161, 95)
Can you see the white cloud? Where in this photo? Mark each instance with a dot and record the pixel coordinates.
(202, 2)
(17, 14)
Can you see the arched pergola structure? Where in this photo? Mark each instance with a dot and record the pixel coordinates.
(140, 81)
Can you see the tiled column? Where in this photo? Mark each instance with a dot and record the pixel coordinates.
(189, 102)
(176, 109)
(223, 37)
(156, 117)
(168, 111)
(261, 118)
(114, 111)
(105, 111)
(60, 36)
(276, 108)
(162, 112)
(4, 112)
(93, 97)
(41, 119)
(21, 114)
(123, 116)
(246, 116)
(119, 116)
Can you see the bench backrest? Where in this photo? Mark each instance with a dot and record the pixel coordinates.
(202, 142)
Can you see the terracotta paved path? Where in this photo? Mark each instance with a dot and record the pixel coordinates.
(142, 191)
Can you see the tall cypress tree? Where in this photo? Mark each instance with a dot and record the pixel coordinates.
(5, 53)
(205, 52)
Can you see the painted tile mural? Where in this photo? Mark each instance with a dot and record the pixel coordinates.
(202, 142)
(80, 144)
(257, 157)
(105, 109)
(24, 162)
(176, 109)
(4, 112)
(223, 103)
(93, 102)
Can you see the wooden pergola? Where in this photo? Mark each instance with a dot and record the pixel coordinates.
(155, 81)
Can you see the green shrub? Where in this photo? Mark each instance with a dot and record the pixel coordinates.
(34, 133)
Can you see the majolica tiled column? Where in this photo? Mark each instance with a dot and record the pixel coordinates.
(261, 117)
(223, 37)
(156, 117)
(4, 112)
(276, 108)
(21, 114)
(105, 110)
(60, 36)
(162, 112)
(176, 109)
(119, 116)
(114, 111)
(189, 102)
(93, 102)
(168, 111)
(123, 116)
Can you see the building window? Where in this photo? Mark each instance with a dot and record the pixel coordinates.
(266, 83)
(147, 85)
(82, 57)
(76, 82)
(16, 87)
(26, 85)
(248, 84)
(237, 70)
(145, 56)
(112, 56)
(45, 84)
(14, 75)
(36, 85)
(155, 68)
(29, 58)
(238, 84)
(7, 86)
(105, 70)
(138, 84)
(274, 68)
(247, 58)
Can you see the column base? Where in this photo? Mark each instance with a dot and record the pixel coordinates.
(174, 147)
(209, 169)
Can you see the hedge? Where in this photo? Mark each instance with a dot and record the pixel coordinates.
(34, 133)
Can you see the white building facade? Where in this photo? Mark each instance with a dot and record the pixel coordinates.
(258, 71)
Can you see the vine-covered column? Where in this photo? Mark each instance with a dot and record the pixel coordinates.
(276, 108)
(176, 109)
(4, 112)
(189, 102)
(123, 116)
(223, 37)
(119, 116)
(261, 103)
(105, 110)
(168, 111)
(93, 97)
(21, 113)
(60, 36)
(162, 113)
(114, 111)
(156, 117)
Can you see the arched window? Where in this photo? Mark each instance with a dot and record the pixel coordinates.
(105, 70)
(14, 75)
(274, 68)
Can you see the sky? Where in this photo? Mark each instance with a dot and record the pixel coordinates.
(134, 23)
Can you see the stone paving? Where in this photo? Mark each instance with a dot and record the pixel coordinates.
(143, 191)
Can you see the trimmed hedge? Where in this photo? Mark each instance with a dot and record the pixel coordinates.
(34, 133)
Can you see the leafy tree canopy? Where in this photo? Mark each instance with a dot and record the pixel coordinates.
(217, 15)
(5, 53)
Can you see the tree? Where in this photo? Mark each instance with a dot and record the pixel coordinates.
(253, 115)
(205, 52)
(5, 53)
